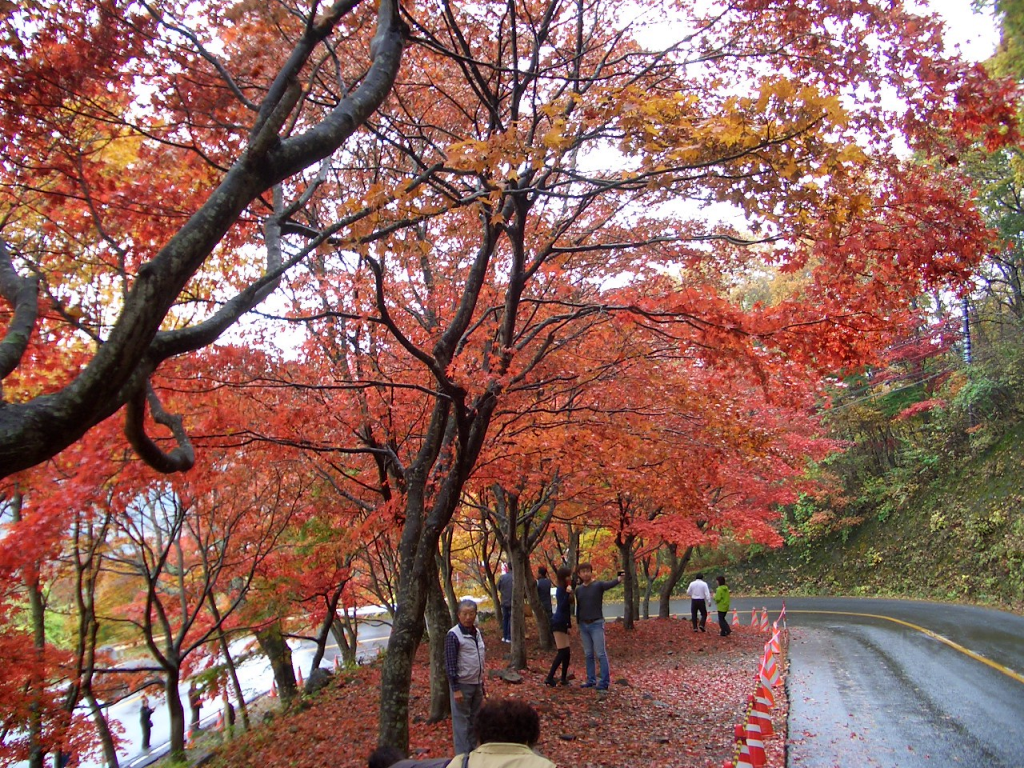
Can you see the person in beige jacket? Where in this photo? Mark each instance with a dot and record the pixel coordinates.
(508, 729)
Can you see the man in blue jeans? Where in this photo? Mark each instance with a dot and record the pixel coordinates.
(590, 617)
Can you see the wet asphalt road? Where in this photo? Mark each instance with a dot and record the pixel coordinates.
(902, 684)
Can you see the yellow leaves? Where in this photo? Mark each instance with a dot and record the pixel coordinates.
(470, 155)
(556, 137)
(122, 151)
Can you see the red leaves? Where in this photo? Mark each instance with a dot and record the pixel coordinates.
(674, 698)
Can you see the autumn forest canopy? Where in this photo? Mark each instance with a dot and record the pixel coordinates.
(310, 305)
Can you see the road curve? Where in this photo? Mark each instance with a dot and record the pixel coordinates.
(900, 684)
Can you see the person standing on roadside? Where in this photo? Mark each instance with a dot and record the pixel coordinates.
(464, 659)
(722, 603)
(590, 617)
(560, 622)
(505, 586)
(146, 721)
(700, 596)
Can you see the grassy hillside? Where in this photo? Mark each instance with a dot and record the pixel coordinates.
(957, 536)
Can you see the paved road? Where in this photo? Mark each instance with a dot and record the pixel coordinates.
(901, 684)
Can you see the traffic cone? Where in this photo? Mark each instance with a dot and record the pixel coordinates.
(764, 695)
(764, 620)
(300, 677)
(743, 758)
(191, 740)
(753, 617)
(337, 663)
(219, 726)
(755, 745)
(775, 642)
(273, 689)
(769, 669)
(760, 717)
(735, 618)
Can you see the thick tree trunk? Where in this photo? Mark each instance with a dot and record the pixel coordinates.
(438, 619)
(629, 593)
(396, 672)
(676, 566)
(175, 711)
(271, 640)
(519, 563)
(544, 636)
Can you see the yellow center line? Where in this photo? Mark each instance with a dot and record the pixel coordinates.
(934, 635)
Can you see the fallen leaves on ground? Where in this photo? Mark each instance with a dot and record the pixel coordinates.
(675, 698)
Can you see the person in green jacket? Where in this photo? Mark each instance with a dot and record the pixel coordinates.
(722, 603)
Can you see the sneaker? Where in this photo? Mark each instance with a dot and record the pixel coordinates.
(702, 629)
(550, 682)
(588, 685)
(602, 690)
(563, 682)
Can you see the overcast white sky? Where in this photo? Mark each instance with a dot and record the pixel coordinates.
(976, 34)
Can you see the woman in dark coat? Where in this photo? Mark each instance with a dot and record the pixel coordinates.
(560, 623)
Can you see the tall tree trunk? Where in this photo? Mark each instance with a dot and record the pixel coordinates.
(649, 579)
(544, 636)
(102, 729)
(676, 566)
(519, 563)
(89, 539)
(438, 620)
(229, 662)
(36, 754)
(396, 672)
(271, 640)
(624, 543)
(176, 712)
(444, 562)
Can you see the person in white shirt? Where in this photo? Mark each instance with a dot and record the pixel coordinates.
(700, 596)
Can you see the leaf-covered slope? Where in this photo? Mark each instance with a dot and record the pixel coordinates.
(960, 538)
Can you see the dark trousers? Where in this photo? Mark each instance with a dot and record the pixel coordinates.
(723, 623)
(701, 608)
(506, 622)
